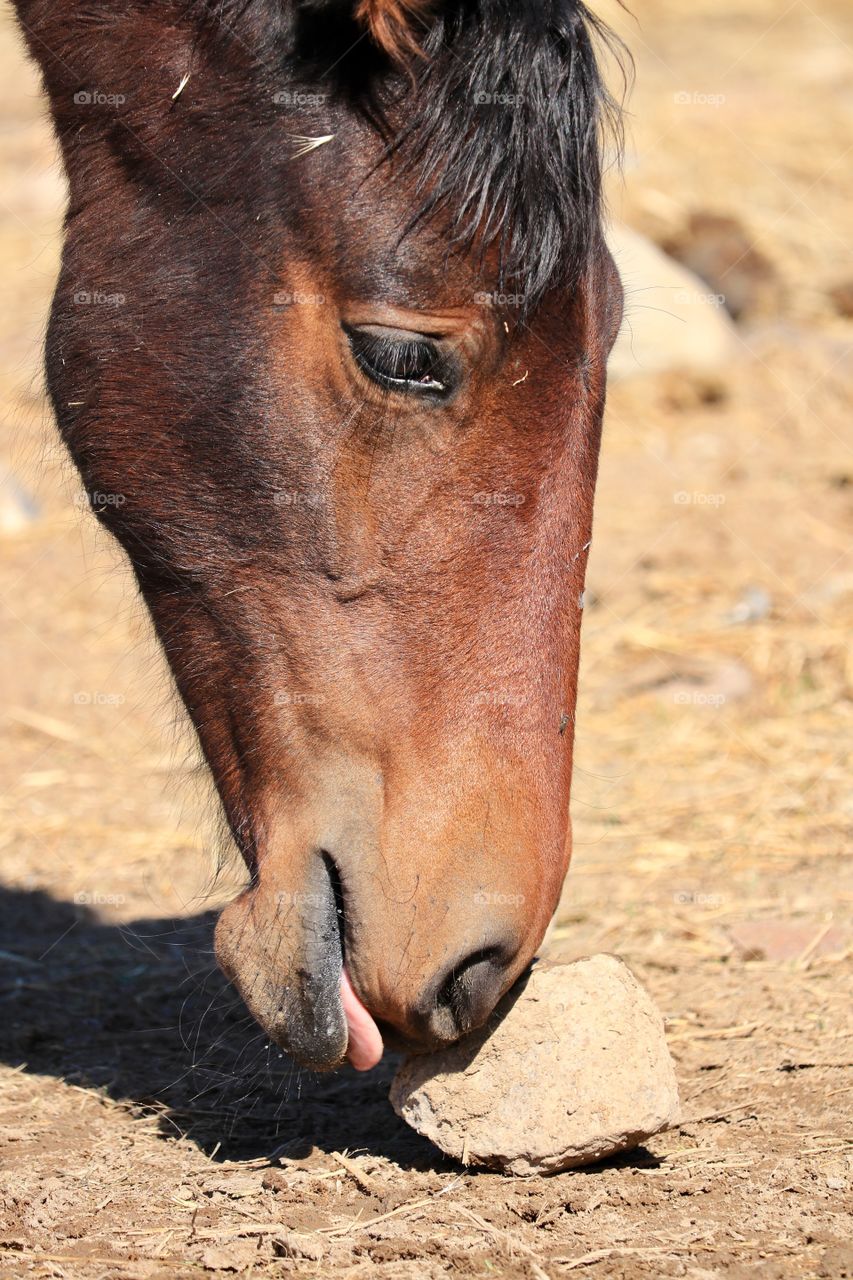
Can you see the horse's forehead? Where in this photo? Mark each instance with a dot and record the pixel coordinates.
(346, 212)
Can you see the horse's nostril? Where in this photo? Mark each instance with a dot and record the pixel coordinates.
(466, 996)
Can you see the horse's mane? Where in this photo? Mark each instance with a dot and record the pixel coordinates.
(498, 112)
(509, 119)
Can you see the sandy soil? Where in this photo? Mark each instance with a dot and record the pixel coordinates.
(146, 1129)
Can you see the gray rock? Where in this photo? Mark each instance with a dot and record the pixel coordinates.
(572, 1069)
(754, 606)
(673, 320)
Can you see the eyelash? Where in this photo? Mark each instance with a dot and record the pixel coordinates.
(414, 366)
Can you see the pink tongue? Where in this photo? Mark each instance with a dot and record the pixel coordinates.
(365, 1043)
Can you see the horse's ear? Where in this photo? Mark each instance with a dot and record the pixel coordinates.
(397, 26)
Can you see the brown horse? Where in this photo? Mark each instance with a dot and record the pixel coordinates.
(328, 348)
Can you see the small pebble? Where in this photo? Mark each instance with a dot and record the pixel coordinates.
(18, 509)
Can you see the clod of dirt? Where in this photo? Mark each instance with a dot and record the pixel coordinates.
(841, 296)
(571, 1068)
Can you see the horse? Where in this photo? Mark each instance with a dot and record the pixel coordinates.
(328, 349)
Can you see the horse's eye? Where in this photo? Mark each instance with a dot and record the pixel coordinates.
(401, 362)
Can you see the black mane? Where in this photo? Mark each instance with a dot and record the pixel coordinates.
(501, 123)
(510, 117)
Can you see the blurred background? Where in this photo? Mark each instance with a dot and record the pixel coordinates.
(712, 797)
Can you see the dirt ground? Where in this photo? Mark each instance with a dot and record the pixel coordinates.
(146, 1129)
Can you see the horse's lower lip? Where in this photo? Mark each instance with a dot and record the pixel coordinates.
(364, 1046)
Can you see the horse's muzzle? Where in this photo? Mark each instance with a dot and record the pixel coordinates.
(327, 994)
(284, 953)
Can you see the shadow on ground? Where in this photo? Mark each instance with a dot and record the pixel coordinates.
(142, 1012)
